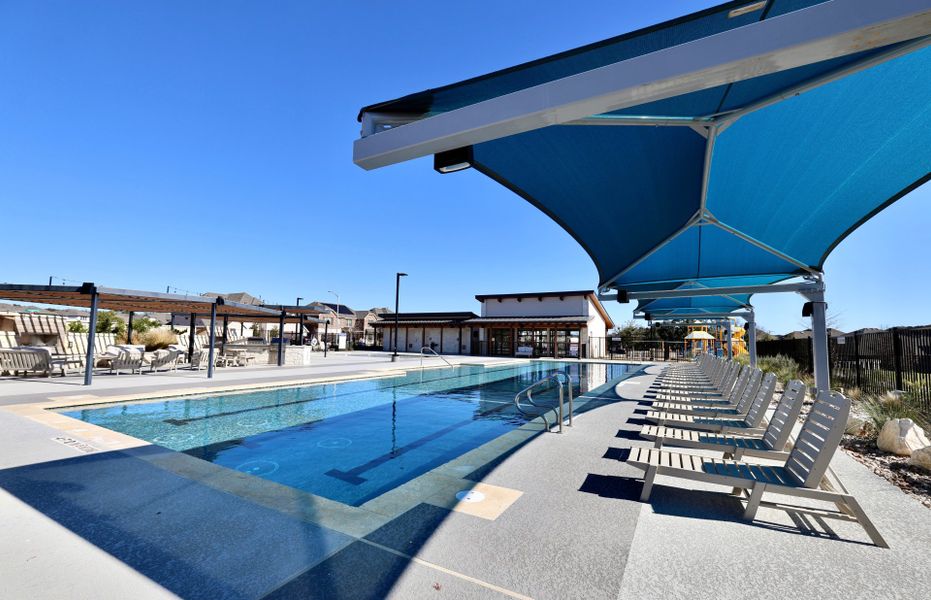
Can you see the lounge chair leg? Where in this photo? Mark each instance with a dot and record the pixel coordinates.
(648, 478)
(865, 522)
(658, 442)
(753, 503)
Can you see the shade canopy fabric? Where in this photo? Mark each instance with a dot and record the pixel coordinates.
(745, 183)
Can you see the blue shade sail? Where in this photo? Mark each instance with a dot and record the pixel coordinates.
(784, 183)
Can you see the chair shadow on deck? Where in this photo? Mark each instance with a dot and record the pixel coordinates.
(703, 504)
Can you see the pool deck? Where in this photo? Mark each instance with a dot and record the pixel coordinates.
(87, 515)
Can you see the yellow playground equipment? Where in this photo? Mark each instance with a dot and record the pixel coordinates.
(705, 337)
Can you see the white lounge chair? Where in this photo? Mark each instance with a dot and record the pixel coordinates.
(735, 404)
(126, 361)
(770, 444)
(164, 358)
(727, 423)
(800, 476)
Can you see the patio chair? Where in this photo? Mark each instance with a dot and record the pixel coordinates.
(770, 444)
(800, 475)
(719, 385)
(749, 423)
(200, 358)
(167, 358)
(131, 361)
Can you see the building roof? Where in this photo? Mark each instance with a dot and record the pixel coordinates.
(609, 323)
(240, 297)
(518, 319)
(343, 309)
(432, 318)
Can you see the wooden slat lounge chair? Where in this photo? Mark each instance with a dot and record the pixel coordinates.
(770, 444)
(29, 360)
(800, 475)
(700, 381)
(749, 423)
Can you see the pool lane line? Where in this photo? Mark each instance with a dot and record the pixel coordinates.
(442, 569)
(352, 475)
(180, 422)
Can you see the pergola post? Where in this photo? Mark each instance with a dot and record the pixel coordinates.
(129, 328)
(226, 330)
(91, 333)
(326, 332)
(817, 310)
(190, 338)
(281, 339)
(213, 339)
(751, 338)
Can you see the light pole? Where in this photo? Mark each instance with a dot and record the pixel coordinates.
(339, 326)
(397, 290)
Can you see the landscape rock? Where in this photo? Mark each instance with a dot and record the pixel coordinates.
(855, 425)
(902, 437)
(921, 458)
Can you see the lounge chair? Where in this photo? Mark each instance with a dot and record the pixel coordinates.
(728, 423)
(799, 476)
(770, 444)
(735, 404)
(719, 385)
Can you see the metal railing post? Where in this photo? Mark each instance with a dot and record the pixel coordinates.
(897, 357)
(856, 356)
(561, 418)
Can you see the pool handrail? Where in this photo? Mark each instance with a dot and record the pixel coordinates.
(429, 349)
(528, 391)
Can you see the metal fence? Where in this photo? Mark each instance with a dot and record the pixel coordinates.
(877, 362)
(653, 350)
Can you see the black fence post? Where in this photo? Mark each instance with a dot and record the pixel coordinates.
(856, 356)
(896, 357)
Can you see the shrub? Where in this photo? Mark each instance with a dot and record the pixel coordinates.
(892, 406)
(109, 322)
(77, 327)
(152, 339)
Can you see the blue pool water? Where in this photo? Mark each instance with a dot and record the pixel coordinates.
(349, 441)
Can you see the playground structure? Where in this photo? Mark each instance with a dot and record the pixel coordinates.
(712, 337)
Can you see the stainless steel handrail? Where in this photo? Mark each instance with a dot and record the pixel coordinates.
(427, 348)
(559, 378)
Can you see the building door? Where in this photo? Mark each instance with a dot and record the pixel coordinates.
(501, 342)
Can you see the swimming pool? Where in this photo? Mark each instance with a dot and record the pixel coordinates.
(349, 441)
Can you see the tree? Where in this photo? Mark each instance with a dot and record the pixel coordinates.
(143, 324)
(109, 322)
(77, 327)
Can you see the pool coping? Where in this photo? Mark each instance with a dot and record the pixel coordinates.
(438, 486)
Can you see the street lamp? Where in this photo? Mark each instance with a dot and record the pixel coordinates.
(339, 326)
(397, 289)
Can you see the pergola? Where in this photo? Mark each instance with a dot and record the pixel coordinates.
(716, 155)
(94, 298)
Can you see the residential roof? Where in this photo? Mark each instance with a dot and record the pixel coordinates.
(428, 316)
(240, 297)
(343, 309)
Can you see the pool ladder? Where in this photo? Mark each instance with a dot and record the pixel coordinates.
(560, 379)
(426, 349)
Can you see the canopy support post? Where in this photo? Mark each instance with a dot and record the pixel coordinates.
(91, 334)
(819, 339)
(213, 340)
(129, 329)
(730, 338)
(751, 338)
(226, 332)
(281, 339)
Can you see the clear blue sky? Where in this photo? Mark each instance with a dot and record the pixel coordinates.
(207, 146)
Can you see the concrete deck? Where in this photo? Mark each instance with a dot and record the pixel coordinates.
(136, 520)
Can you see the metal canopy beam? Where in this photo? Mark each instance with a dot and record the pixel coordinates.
(776, 288)
(694, 316)
(821, 32)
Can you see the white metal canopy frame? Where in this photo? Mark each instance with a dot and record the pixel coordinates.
(843, 38)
